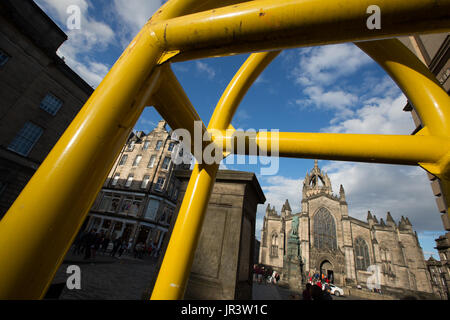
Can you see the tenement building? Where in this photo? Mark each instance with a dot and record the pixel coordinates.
(139, 196)
(344, 249)
(39, 94)
(434, 51)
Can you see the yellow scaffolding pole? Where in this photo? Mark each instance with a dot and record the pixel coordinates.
(43, 221)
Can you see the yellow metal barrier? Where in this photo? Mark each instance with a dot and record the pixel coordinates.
(40, 226)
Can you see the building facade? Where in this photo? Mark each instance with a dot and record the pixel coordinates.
(344, 249)
(438, 272)
(39, 94)
(434, 51)
(138, 199)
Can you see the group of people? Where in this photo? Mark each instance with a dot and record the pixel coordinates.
(316, 292)
(93, 242)
(265, 275)
(317, 288)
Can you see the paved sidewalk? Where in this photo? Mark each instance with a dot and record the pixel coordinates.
(107, 278)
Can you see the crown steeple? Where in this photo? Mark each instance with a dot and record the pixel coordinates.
(316, 182)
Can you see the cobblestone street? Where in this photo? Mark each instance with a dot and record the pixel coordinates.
(126, 278)
(107, 278)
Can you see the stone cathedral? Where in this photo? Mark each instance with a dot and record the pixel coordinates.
(342, 247)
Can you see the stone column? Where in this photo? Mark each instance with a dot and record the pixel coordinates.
(223, 262)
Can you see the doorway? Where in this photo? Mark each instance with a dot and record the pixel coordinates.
(326, 268)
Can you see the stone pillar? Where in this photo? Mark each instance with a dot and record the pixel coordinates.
(223, 262)
(293, 266)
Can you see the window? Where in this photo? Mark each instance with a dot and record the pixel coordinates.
(131, 205)
(115, 179)
(175, 194)
(152, 209)
(146, 145)
(158, 145)
(130, 146)
(123, 160)
(145, 182)
(129, 180)
(3, 58)
(166, 163)
(160, 184)
(137, 160)
(274, 246)
(109, 203)
(324, 230)
(51, 104)
(171, 146)
(361, 254)
(151, 163)
(26, 138)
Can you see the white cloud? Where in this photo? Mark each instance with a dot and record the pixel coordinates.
(276, 190)
(323, 65)
(205, 68)
(339, 101)
(92, 72)
(93, 36)
(133, 15)
(377, 116)
(402, 190)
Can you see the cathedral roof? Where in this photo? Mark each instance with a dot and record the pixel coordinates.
(286, 206)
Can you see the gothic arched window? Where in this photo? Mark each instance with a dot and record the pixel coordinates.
(324, 230)
(274, 245)
(362, 254)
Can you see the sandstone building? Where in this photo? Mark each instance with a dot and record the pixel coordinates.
(39, 94)
(434, 51)
(342, 247)
(139, 196)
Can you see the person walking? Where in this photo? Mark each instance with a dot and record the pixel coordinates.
(116, 245)
(105, 244)
(88, 243)
(307, 292)
(316, 292)
(123, 248)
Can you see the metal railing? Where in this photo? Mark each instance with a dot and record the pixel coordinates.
(40, 226)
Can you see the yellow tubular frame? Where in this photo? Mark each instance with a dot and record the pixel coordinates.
(40, 226)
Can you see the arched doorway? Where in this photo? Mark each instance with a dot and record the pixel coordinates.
(326, 268)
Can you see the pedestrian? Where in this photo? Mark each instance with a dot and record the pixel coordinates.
(326, 295)
(88, 243)
(98, 239)
(307, 292)
(268, 275)
(274, 277)
(316, 292)
(260, 274)
(116, 245)
(105, 244)
(78, 243)
(129, 247)
(319, 284)
(123, 247)
(139, 250)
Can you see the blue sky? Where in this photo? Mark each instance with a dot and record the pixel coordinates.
(322, 89)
